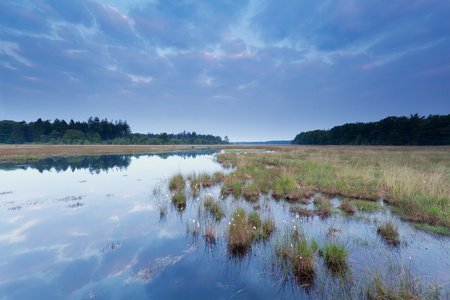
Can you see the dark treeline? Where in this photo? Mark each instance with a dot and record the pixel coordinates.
(94, 131)
(415, 130)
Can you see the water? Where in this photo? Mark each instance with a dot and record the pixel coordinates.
(90, 228)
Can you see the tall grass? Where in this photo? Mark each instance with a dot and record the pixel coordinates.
(415, 180)
(245, 229)
(295, 256)
(177, 183)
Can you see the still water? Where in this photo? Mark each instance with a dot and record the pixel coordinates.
(90, 228)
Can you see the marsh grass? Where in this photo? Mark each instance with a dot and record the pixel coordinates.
(324, 205)
(389, 232)
(210, 235)
(295, 256)
(251, 192)
(436, 229)
(400, 285)
(177, 183)
(347, 206)
(367, 206)
(335, 257)
(179, 200)
(233, 185)
(214, 208)
(245, 229)
(301, 211)
(413, 179)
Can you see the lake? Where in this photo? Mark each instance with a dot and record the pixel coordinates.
(92, 228)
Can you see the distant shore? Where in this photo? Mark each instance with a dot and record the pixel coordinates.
(9, 153)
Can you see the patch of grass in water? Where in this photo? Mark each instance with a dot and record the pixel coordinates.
(389, 232)
(295, 256)
(348, 207)
(179, 200)
(251, 192)
(245, 229)
(335, 257)
(367, 206)
(214, 208)
(177, 183)
(402, 285)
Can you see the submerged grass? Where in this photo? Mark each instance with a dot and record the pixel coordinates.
(401, 285)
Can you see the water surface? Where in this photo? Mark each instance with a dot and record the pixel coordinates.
(90, 228)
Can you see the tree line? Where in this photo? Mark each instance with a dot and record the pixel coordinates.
(94, 131)
(413, 130)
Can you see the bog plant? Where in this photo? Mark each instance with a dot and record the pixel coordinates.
(295, 256)
(177, 183)
(335, 257)
(245, 229)
(389, 232)
(214, 208)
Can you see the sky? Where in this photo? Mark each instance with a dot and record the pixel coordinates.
(250, 70)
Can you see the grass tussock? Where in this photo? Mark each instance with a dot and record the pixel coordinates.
(347, 206)
(210, 235)
(251, 192)
(295, 256)
(335, 257)
(214, 208)
(302, 212)
(179, 200)
(389, 232)
(245, 229)
(324, 205)
(177, 183)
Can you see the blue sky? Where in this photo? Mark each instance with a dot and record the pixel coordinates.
(252, 70)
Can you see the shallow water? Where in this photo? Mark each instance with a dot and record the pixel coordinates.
(90, 228)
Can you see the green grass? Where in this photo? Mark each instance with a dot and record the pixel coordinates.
(177, 183)
(412, 179)
(348, 207)
(367, 206)
(399, 286)
(335, 257)
(179, 200)
(214, 208)
(389, 232)
(436, 229)
(245, 229)
(295, 256)
(251, 192)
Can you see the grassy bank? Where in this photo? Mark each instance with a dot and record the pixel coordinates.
(414, 180)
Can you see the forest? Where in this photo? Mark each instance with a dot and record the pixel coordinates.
(407, 131)
(94, 131)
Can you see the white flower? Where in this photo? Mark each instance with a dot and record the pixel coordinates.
(254, 227)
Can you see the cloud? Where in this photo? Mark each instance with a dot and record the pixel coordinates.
(126, 61)
(18, 235)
